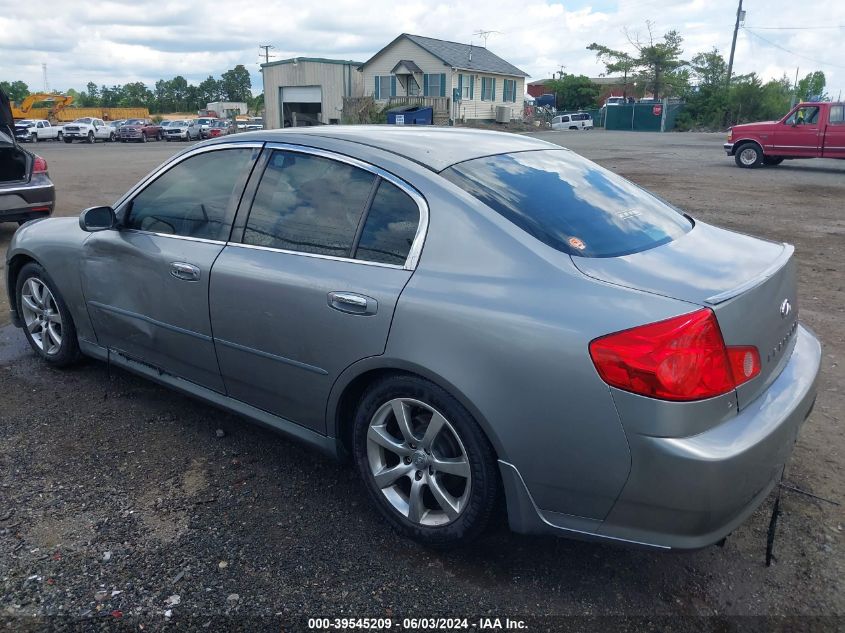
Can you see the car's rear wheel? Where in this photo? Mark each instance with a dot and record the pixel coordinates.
(771, 161)
(48, 325)
(425, 461)
(68, 140)
(749, 155)
(59, 136)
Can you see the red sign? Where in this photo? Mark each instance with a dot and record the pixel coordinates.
(657, 110)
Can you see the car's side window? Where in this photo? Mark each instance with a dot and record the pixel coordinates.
(195, 198)
(390, 227)
(837, 115)
(308, 204)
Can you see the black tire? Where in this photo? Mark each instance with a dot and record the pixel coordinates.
(91, 137)
(60, 136)
(484, 484)
(68, 352)
(143, 137)
(35, 138)
(748, 156)
(772, 161)
(68, 140)
(111, 137)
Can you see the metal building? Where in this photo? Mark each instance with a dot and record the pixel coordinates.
(307, 90)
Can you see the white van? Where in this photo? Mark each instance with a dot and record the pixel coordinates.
(577, 121)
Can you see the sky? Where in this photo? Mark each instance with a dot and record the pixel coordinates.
(120, 41)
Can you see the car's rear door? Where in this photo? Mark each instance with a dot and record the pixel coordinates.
(146, 283)
(310, 280)
(834, 135)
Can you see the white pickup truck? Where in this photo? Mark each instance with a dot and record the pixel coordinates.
(88, 129)
(35, 130)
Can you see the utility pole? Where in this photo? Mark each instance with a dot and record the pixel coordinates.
(267, 54)
(740, 15)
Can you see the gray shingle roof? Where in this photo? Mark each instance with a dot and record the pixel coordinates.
(464, 56)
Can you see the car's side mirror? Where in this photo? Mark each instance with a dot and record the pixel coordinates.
(95, 219)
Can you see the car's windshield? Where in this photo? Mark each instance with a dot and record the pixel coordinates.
(83, 120)
(570, 203)
(134, 122)
(25, 123)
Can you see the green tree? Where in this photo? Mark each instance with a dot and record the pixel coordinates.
(236, 84)
(706, 96)
(574, 92)
(177, 89)
(660, 63)
(812, 87)
(17, 91)
(210, 89)
(615, 62)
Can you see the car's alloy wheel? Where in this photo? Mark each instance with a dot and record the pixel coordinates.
(47, 322)
(749, 156)
(41, 316)
(418, 461)
(425, 462)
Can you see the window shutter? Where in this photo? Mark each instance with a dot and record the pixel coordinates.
(493, 98)
(461, 86)
(425, 85)
(376, 94)
(392, 85)
(472, 86)
(442, 84)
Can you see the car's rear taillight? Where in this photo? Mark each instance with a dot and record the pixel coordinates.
(39, 166)
(682, 358)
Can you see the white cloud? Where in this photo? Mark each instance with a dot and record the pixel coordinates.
(118, 41)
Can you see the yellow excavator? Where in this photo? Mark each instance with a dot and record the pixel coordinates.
(57, 103)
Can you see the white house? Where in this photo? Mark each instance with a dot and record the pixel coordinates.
(461, 81)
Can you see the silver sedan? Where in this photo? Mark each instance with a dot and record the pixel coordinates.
(464, 314)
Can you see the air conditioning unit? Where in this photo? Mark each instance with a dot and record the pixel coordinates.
(503, 114)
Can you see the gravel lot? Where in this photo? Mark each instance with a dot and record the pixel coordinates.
(118, 501)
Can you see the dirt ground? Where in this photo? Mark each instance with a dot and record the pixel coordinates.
(118, 502)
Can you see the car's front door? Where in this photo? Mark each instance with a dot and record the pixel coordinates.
(311, 285)
(799, 133)
(146, 282)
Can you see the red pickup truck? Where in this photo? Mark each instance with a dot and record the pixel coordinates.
(810, 130)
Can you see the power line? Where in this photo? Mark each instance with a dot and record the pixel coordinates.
(786, 50)
(795, 28)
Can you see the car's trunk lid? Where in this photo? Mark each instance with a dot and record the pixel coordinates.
(749, 283)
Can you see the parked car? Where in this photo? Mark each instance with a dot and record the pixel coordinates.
(186, 130)
(88, 129)
(34, 130)
(26, 191)
(810, 130)
(463, 313)
(164, 123)
(220, 127)
(614, 101)
(575, 121)
(204, 122)
(141, 130)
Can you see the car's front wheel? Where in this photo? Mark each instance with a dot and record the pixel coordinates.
(426, 463)
(749, 155)
(48, 325)
(91, 137)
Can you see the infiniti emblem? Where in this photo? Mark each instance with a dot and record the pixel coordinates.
(785, 308)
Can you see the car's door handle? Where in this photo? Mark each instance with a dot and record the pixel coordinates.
(184, 271)
(352, 303)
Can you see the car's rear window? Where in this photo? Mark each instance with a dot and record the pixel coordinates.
(570, 203)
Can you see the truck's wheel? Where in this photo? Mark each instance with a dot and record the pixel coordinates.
(59, 136)
(34, 138)
(68, 140)
(771, 161)
(748, 156)
(91, 137)
(111, 137)
(143, 137)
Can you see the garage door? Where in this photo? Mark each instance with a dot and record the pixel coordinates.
(302, 94)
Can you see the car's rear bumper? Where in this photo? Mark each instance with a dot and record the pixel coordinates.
(26, 201)
(729, 148)
(690, 492)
